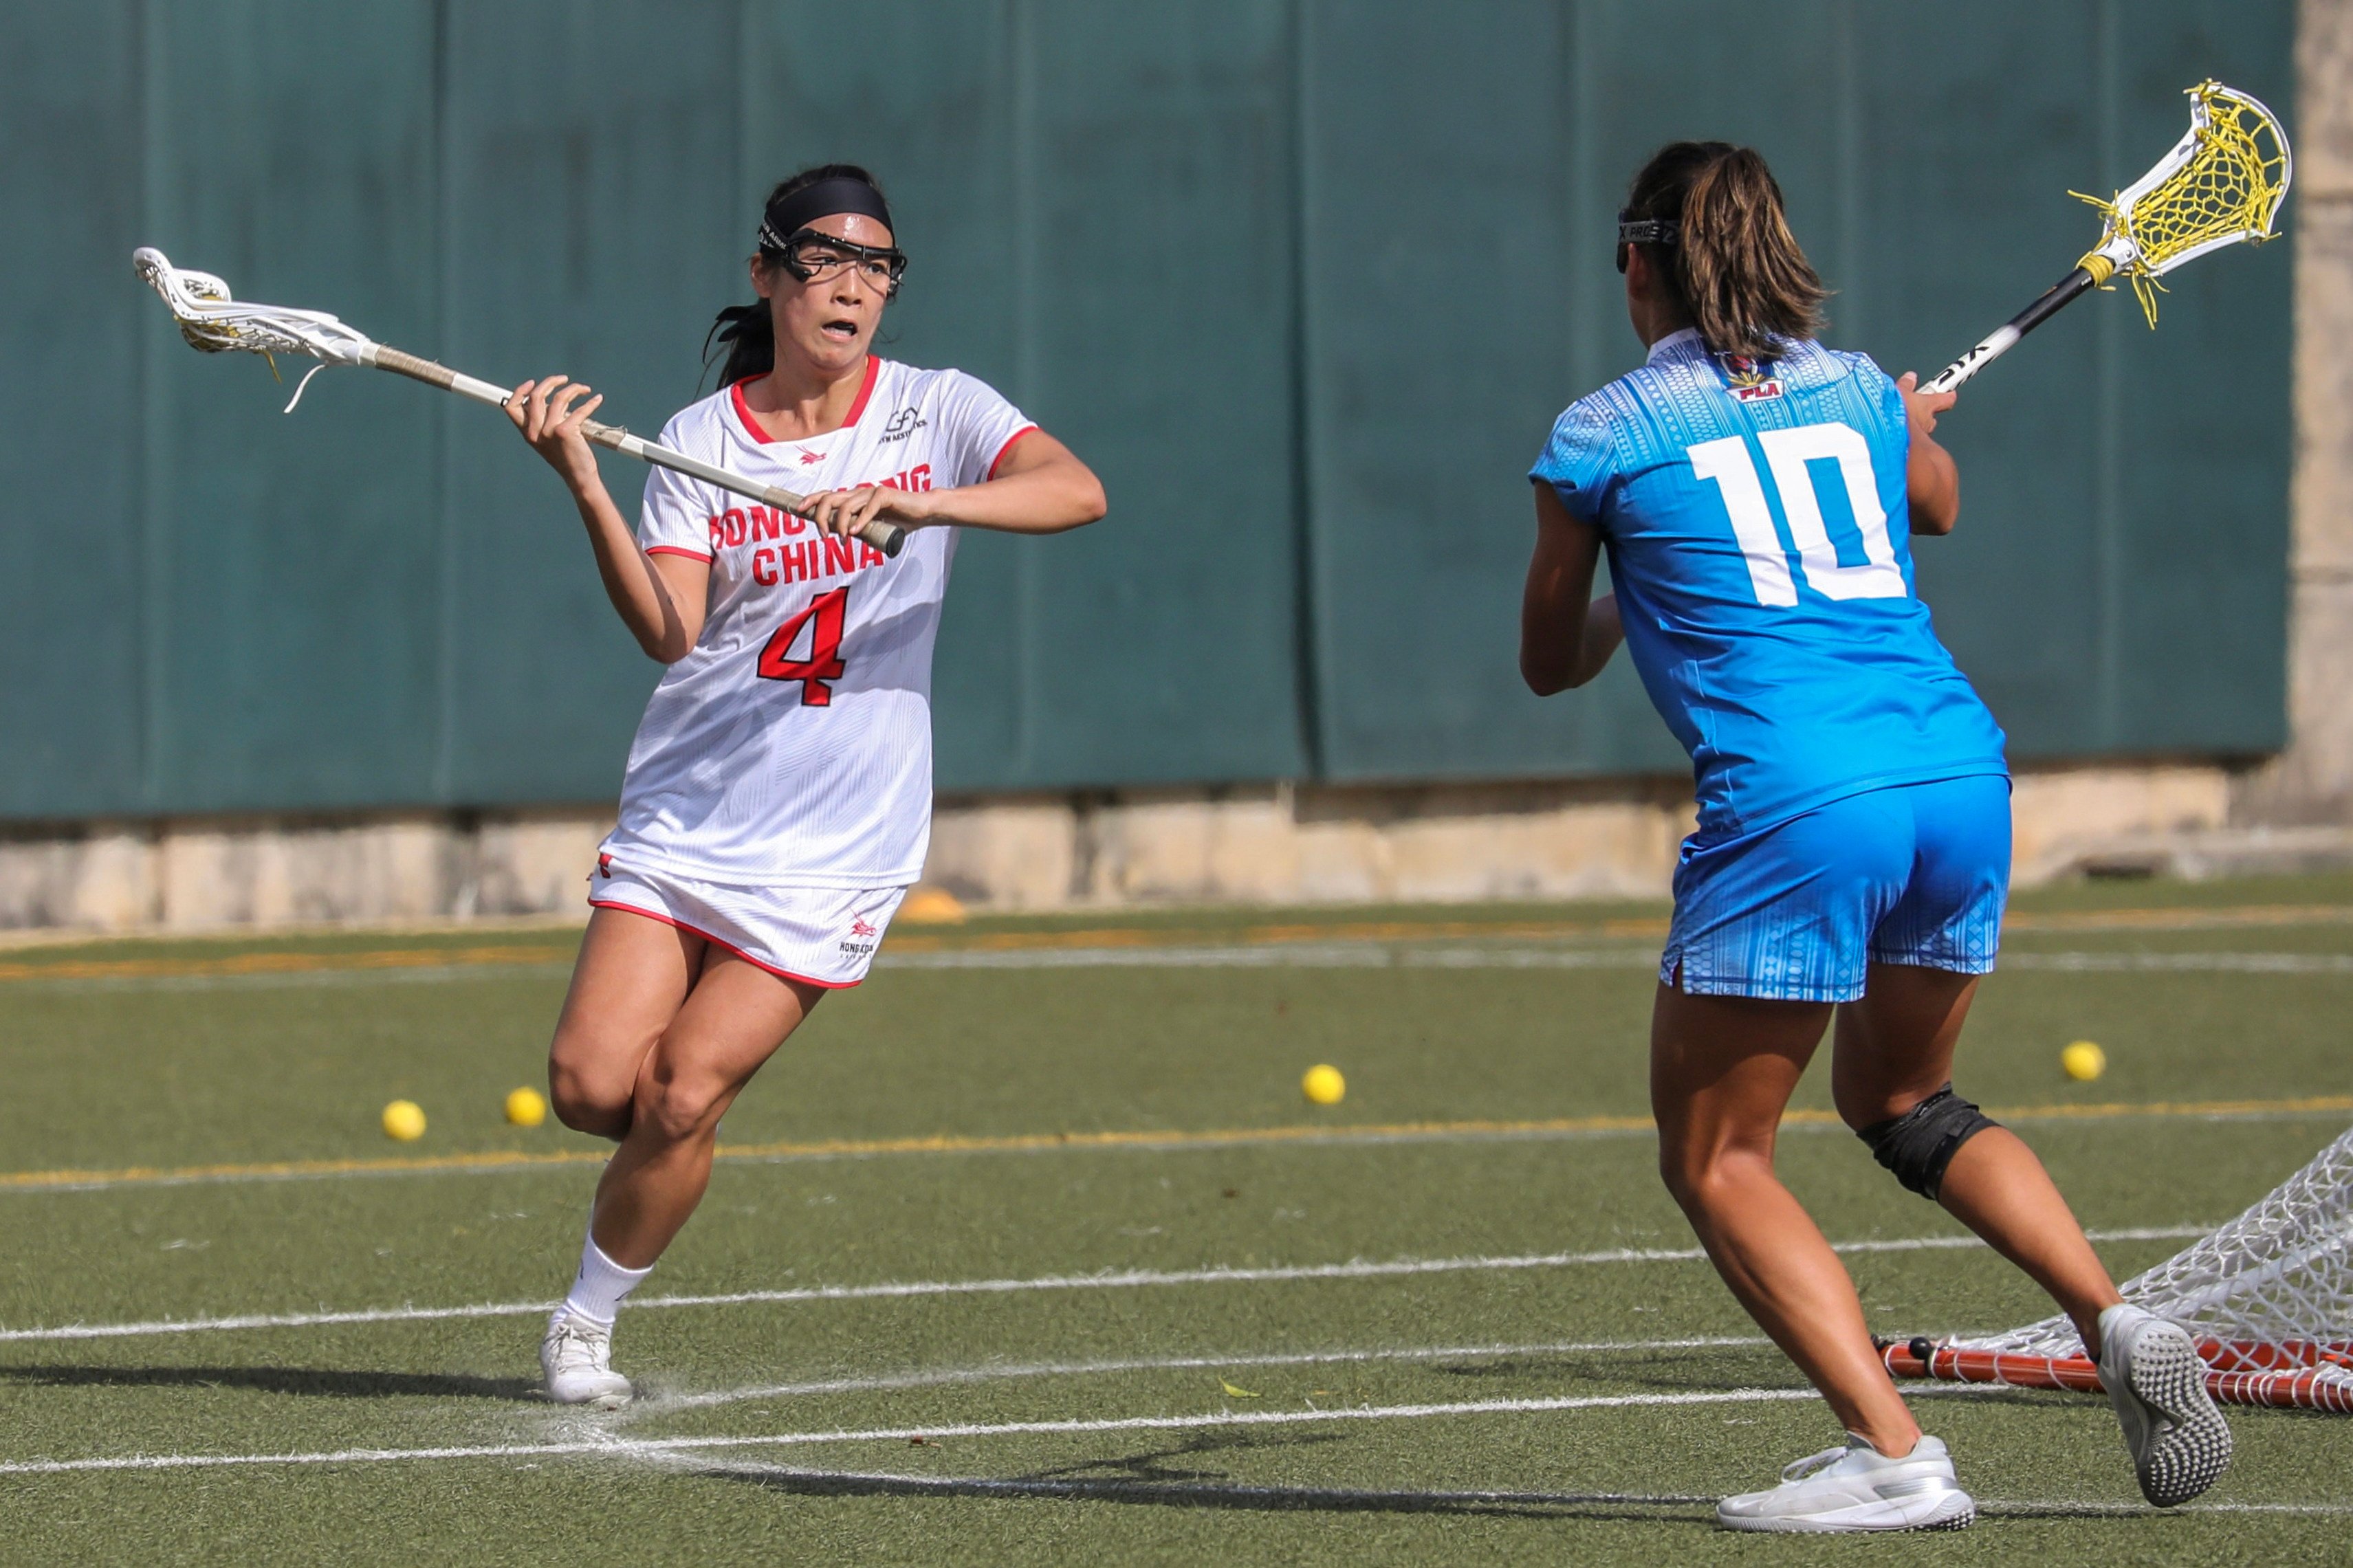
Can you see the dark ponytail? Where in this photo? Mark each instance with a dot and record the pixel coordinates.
(748, 332)
(1734, 265)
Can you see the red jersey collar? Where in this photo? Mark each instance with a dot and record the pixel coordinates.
(752, 426)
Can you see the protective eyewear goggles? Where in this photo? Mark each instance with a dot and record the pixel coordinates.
(1633, 231)
(815, 258)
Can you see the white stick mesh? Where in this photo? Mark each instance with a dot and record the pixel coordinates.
(2273, 1285)
(211, 320)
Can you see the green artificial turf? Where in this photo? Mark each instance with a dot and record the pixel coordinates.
(245, 1078)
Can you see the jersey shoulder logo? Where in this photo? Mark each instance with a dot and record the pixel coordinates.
(1748, 380)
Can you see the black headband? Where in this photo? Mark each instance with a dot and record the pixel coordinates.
(1647, 230)
(827, 198)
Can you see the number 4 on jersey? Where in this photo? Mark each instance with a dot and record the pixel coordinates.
(823, 616)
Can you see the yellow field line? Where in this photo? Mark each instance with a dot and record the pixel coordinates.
(281, 962)
(1130, 1138)
(1129, 937)
(1346, 930)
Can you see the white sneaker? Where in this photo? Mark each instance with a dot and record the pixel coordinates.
(1858, 1488)
(2180, 1444)
(577, 1357)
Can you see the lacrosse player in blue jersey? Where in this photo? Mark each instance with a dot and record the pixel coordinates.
(1754, 491)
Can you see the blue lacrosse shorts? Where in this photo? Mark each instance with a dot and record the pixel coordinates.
(1912, 874)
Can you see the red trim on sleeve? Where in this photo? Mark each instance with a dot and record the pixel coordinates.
(728, 946)
(674, 550)
(1010, 441)
(857, 407)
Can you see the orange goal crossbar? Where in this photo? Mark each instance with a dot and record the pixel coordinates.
(2299, 1375)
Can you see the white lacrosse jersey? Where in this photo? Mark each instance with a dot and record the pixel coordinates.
(792, 745)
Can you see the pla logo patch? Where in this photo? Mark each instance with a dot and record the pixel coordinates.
(1748, 380)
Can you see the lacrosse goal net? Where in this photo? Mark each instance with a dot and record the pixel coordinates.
(2269, 1297)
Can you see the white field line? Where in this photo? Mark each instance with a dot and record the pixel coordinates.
(632, 1447)
(673, 1450)
(949, 1377)
(1125, 1279)
(1344, 954)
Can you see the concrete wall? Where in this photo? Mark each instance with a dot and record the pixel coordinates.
(201, 875)
(1270, 844)
(2311, 781)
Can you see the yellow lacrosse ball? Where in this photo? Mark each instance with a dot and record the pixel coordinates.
(1324, 1084)
(526, 1108)
(404, 1120)
(2084, 1061)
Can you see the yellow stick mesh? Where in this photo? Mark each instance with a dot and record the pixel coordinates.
(2228, 190)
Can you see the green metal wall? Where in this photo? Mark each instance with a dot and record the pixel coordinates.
(1306, 281)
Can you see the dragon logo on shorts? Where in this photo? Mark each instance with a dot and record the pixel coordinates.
(603, 865)
(860, 939)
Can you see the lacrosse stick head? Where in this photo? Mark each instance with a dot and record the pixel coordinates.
(213, 321)
(2221, 184)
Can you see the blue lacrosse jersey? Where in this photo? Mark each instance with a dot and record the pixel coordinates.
(1759, 537)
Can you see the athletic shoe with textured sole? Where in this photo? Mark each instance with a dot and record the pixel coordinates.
(1857, 1488)
(577, 1357)
(2180, 1444)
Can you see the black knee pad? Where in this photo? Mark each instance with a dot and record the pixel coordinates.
(1919, 1145)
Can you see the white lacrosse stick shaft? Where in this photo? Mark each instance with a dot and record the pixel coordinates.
(212, 322)
(887, 537)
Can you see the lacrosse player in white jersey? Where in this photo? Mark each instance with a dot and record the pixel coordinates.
(778, 797)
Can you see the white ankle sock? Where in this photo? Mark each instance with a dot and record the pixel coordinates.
(601, 1286)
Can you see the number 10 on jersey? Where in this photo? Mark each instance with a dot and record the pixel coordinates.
(823, 616)
(1791, 454)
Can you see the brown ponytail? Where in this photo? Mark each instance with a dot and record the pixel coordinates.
(1734, 265)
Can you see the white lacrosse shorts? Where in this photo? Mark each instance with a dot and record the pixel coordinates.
(824, 937)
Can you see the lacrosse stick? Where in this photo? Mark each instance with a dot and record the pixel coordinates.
(213, 322)
(2221, 184)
